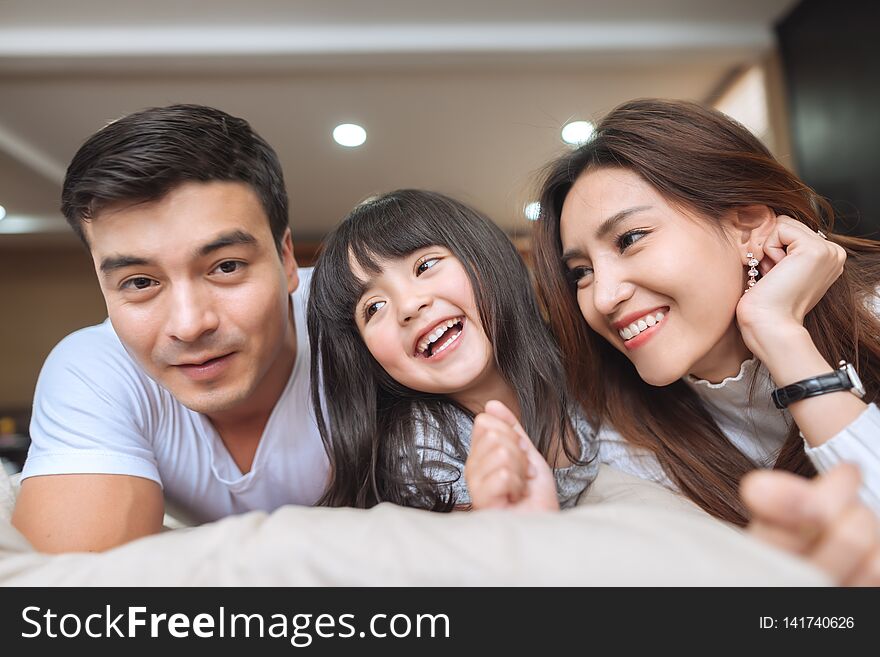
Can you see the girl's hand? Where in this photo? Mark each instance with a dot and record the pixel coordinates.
(798, 267)
(504, 470)
(821, 520)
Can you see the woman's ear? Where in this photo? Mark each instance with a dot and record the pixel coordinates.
(753, 225)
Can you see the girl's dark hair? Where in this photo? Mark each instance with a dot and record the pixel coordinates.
(143, 156)
(704, 161)
(367, 420)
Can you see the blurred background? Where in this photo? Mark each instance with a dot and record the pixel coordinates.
(465, 97)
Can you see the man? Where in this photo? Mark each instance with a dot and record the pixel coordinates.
(197, 385)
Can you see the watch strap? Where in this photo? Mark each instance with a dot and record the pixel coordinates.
(818, 385)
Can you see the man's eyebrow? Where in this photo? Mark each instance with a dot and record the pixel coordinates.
(611, 222)
(232, 238)
(112, 263)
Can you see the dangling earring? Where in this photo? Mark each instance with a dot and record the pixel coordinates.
(752, 270)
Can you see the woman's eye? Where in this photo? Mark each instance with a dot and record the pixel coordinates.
(372, 309)
(577, 274)
(229, 266)
(629, 238)
(425, 265)
(138, 283)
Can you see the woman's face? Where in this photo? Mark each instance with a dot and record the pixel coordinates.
(419, 320)
(657, 282)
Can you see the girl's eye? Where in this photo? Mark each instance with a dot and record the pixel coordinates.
(425, 265)
(230, 266)
(372, 309)
(629, 238)
(138, 283)
(577, 274)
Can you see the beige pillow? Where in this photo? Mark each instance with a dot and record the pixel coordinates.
(650, 541)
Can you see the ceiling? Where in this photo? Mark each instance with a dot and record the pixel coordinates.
(462, 97)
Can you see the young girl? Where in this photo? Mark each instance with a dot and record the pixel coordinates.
(421, 312)
(702, 306)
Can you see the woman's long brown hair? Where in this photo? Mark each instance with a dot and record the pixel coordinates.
(703, 161)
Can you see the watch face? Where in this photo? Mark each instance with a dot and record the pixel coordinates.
(854, 379)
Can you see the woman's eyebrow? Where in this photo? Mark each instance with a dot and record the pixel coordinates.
(571, 254)
(611, 222)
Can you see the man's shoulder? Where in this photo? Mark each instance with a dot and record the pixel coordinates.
(93, 356)
(305, 281)
(91, 345)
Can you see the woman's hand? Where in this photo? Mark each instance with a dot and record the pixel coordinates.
(799, 266)
(503, 469)
(821, 520)
(797, 269)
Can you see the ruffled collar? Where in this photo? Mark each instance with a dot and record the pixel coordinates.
(742, 406)
(748, 367)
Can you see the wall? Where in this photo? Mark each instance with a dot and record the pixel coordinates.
(831, 60)
(45, 293)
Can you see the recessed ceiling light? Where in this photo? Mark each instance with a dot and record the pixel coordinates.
(578, 132)
(349, 134)
(2, 212)
(533, 211)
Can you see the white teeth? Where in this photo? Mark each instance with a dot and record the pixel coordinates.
(447, 343)
(631, 331)
(438, 331)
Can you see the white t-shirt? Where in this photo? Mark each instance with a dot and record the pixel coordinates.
(97, 411)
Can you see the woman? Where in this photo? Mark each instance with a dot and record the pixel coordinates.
(688, 277)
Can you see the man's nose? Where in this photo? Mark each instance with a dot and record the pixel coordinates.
(191, 314)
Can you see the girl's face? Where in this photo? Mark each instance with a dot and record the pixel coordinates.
(419, 320)
(658, 283)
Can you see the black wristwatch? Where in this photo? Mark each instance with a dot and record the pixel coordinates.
(844, 378)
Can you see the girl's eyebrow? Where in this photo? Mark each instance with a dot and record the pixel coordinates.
(362, 286)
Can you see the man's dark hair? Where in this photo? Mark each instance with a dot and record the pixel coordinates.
(143, 156)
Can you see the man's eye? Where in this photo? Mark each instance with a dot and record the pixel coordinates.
(138, 283)
(372, 309)
(578, 274)
(425, 265)
(230, 266)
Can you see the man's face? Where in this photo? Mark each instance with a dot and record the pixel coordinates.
(197, 293)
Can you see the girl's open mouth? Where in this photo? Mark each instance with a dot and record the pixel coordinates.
(440, 338)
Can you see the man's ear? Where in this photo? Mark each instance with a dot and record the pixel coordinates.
(752, 225)
(288, 262)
